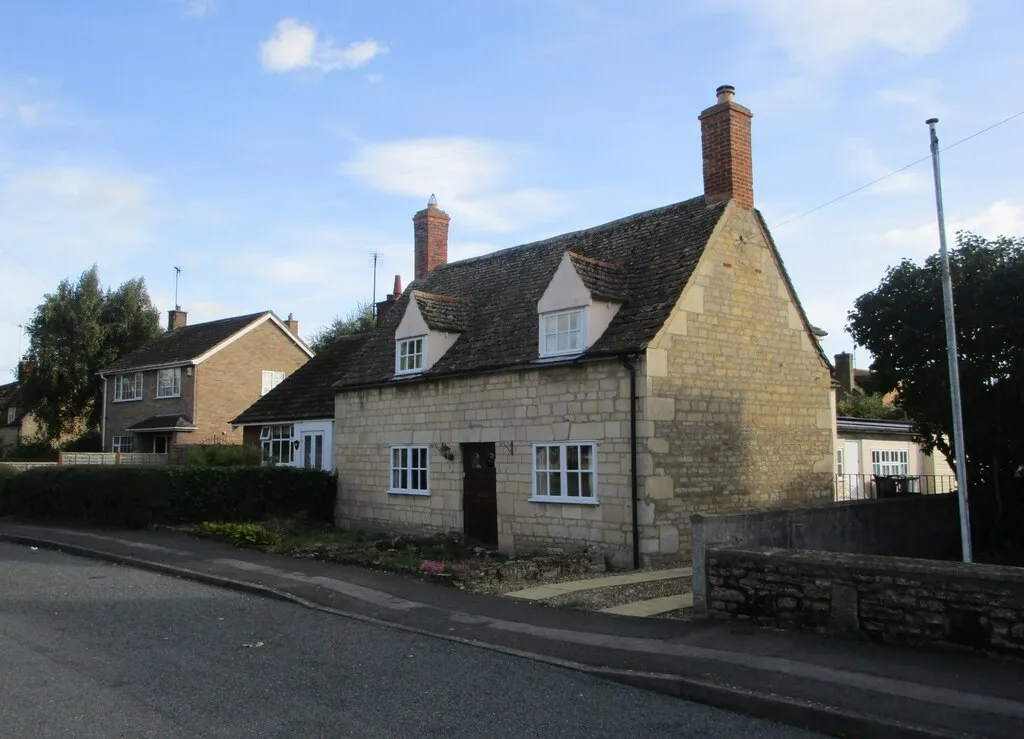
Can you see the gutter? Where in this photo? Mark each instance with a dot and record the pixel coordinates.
(628, 362)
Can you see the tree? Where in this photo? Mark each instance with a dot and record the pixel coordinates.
(901, 322)
(360, 320)
(74, 333)
(869, 405)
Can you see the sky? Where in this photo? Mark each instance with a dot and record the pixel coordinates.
(268, 147)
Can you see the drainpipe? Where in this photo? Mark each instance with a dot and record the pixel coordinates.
(103, 417)
(628, 363)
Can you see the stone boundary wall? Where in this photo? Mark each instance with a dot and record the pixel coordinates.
(925, 526)
(884, 599)
(22, 466)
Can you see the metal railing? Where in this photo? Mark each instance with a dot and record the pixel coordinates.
(870, 487)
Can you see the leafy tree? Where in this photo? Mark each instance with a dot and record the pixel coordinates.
(869, 405)
(75, 332)
(901, 322)
(360, 320)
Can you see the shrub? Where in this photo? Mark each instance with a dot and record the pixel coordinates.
(222, 455)
(31, 452)
(136, 497)
(87, 442)
(241, 534)
(6, 473)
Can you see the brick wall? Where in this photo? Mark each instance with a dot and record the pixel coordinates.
(886, 599)
(741, 399)
(514, 409)
(126, 413)
(232, 379)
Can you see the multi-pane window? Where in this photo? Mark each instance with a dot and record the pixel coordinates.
(124, 444)
(410, 467)
(887, 462)
(313, 451)
(277, 444)
(128, 387)
(565, 472)
(561, 332)
(271, 379)
(409, 355)
(168, 383)
(839, 461)
(12, 413)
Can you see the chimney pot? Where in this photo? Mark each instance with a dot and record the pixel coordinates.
(292, 325)
(430, 231)
(726, 93)
(396, 292)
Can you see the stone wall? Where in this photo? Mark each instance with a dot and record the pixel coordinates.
(922, 526)
(885, 599)
(588, 402)
(741, 398)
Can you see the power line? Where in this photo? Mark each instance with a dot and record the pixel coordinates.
(897, 171)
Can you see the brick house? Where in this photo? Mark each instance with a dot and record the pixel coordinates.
(294, 422)
(186, 386)
(598, 387)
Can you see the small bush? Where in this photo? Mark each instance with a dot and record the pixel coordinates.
(137, 497)
(6, 473)
(88, 442)
(31, 452)
(222, 455)
(241, 534)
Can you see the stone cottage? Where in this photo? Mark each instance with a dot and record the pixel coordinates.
(597, 387)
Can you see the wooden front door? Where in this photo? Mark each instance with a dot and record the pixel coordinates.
(480, 494)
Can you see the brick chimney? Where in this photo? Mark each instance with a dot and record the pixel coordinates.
(176, 318)
(292, 324)
(24, 370)
(844, 373)
(384, 305)
(430, 227)
(725, 140)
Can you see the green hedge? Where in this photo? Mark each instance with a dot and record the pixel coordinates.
(136, 497)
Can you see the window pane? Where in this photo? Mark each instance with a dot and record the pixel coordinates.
(554, 483)
(542, 483)
(574, 321)
(574, 340)
(550, 343)
(403, 479)
(586, 485)
(563, 322)
(541, 461)
(554, 458)
(572, 483)
(550, 324)
(586, 457)
(572, 457)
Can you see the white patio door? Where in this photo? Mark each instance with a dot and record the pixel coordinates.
(852, 479)
(313, 450)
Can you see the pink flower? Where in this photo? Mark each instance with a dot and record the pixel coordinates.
(431, 567)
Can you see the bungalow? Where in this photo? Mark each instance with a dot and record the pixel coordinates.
(596, 388)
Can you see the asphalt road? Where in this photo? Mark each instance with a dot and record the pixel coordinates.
(89, 649)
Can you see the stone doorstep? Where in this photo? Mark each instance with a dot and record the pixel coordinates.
(543, 592)
(652, 606)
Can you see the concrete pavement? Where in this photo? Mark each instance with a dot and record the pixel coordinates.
(837, 687)
(93, 650)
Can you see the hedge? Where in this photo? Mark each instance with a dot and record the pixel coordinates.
(137, 497)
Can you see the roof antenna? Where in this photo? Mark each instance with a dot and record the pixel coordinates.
(177, 274)
(375, 257)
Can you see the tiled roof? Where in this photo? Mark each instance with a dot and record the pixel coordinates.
(605, 281)
(306, 393)
(11, 395)
(442, 313)
(656, 250)
(183, 344)
(163, 421)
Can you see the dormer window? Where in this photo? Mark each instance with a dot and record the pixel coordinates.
(409, 355)
(563, 332)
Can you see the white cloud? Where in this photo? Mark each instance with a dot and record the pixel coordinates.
(924, 97)
(1002, 218)
(297, 45)
(814, 32)
(471, 178)
(197, 8)
(373, 79)
(865, 163)
(80, 186)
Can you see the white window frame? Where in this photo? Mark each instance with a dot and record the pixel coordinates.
(168, 390)
(543, 494)
(123, 444)
(412, 460)
(580, 331)
(277, 444)
(12, 412)
(402, 352)
(890, 462)
(840, 462)
(120, 391)
(269, 380)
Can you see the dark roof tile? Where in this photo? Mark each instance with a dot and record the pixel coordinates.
(307, 393)
(656, 250)
(605, 281)
(442, 313)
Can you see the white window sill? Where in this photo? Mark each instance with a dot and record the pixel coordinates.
(420, 493)
(408, 373)
(168, 397)
(565, 501)
(128, 400)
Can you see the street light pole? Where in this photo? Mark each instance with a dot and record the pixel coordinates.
(951, 354)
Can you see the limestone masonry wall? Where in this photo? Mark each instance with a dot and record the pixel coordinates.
(514, 410)
(885, 599)
(741, 399)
